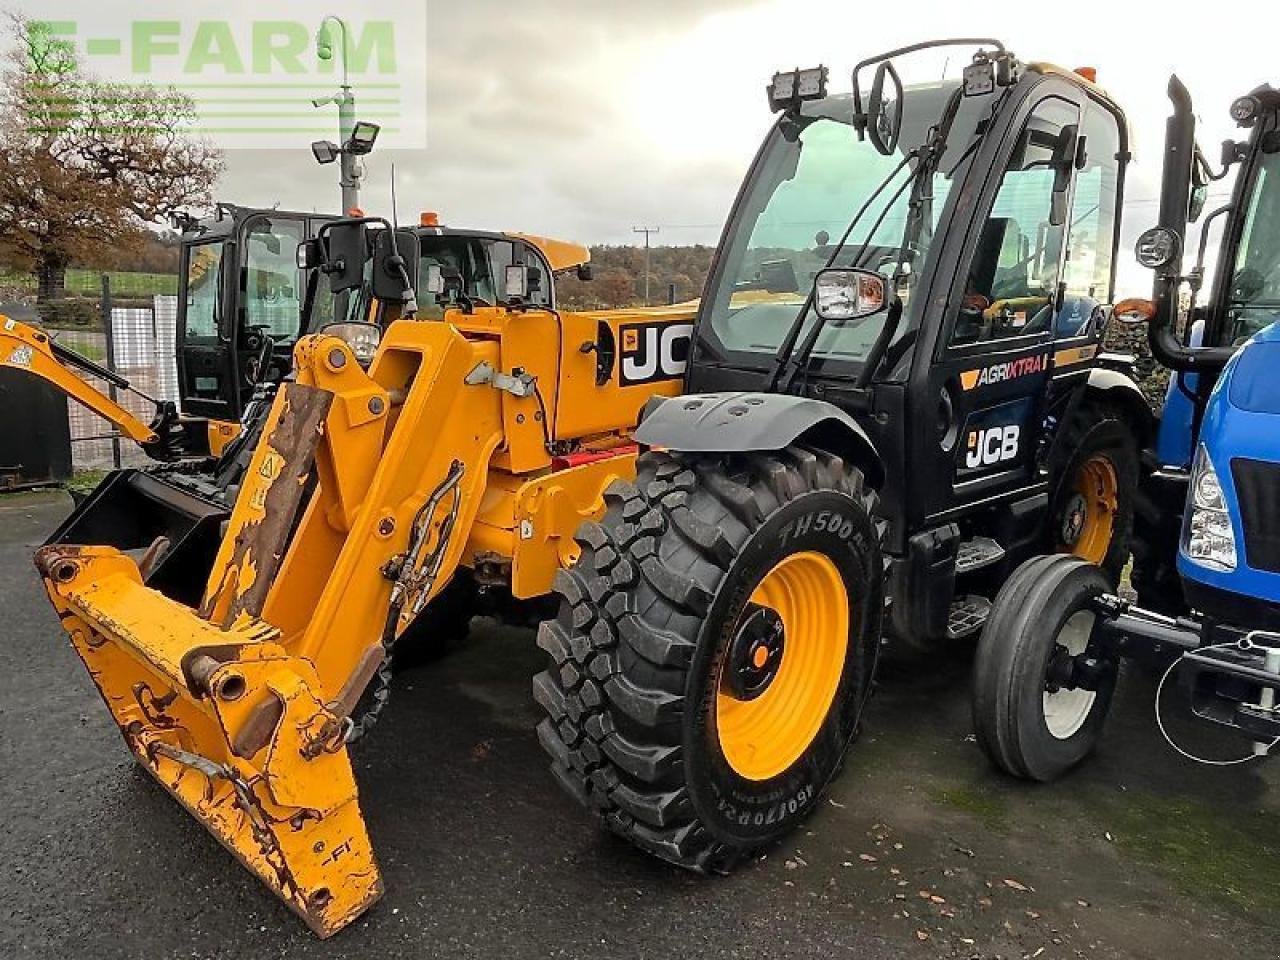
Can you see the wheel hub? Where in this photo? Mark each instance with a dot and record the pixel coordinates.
(1073, 521)
(755, 653)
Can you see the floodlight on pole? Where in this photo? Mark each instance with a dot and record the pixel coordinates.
(349, 170)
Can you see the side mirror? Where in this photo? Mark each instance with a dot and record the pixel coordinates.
(1134, 310)
(584, 272)
(345, 248)
(884, 114)
(845, 294)
(1066, 154)
(395, 266)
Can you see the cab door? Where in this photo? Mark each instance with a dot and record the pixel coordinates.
(978, 407)
(239, 312)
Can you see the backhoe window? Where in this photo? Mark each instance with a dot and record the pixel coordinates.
(204, 267)
(1253, 299)
(813, 177)
(273, 282)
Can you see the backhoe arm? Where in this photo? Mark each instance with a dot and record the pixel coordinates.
(23, 347)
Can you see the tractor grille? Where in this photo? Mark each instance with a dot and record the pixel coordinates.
(1258, 490)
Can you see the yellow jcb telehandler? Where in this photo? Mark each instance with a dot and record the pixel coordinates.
(239, 317)
(891, 392)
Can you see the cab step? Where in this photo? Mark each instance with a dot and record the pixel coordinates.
(966, 617)
(978, 553)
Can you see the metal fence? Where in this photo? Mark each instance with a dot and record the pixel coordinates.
(137, 342)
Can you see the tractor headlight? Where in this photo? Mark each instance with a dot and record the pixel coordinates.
(1209, 539)
(1244, 110)
(362, 338)
(1157, 247)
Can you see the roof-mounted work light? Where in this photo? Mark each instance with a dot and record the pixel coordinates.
(789, 90)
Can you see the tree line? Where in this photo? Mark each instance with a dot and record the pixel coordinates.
(618, 274)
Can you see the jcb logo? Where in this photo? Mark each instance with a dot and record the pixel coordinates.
(654, 351)
(991, 446)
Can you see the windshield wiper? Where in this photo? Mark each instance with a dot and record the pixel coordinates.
(793, 332)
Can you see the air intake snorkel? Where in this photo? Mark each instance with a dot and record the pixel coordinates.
(1175, 200)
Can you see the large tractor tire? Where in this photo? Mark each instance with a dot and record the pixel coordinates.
(1031, 722)
(714, 648)
(1095, 485)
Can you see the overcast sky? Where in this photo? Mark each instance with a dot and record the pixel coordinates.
(582, 118)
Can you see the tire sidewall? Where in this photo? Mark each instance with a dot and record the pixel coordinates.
(741, 811)
(1045, 756)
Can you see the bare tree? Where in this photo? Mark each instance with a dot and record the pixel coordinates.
(86, 165)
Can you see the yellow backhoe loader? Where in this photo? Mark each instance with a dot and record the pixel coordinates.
(891, 392)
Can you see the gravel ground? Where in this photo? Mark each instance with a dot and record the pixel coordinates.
(920, 850)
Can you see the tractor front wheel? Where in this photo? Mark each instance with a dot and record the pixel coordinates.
(714, 648)
(1041, 686)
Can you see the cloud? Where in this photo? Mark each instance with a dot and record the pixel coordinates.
(582, 119)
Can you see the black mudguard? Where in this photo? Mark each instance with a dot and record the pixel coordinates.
(750, 422)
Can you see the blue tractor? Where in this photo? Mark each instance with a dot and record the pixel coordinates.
(1206, 535)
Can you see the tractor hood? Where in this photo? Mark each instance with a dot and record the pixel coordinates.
(1239, 437)
(1255, 374)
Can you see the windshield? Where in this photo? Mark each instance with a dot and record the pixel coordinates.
(814, 176)
(1253, 298)
(204, 268)
(475, 267)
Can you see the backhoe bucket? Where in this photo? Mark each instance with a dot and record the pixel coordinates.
(230, 724)
(177, 517)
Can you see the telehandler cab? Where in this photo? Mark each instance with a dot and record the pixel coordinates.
(891, 393)
(240, 314)
(1206, 563)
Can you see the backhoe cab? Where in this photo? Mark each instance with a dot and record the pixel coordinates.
(892, 389)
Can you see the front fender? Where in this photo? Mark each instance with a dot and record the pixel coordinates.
(1120, 389)
(751, 422)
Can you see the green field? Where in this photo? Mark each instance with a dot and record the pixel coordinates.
(88, 283)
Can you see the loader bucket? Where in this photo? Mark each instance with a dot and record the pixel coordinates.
(230, 724)
(132, 509)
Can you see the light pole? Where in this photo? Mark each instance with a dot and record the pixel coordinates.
(646, 231)
(349, 169)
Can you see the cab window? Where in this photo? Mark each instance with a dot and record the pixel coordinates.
(1094, 214)
(1253, 296)
(204, 272)
(1013, 277)
(273, 291)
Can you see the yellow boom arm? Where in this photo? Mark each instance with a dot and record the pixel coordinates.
(25, 348)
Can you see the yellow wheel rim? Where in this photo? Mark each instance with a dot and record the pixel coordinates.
(763, 736)
(1091, 511)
